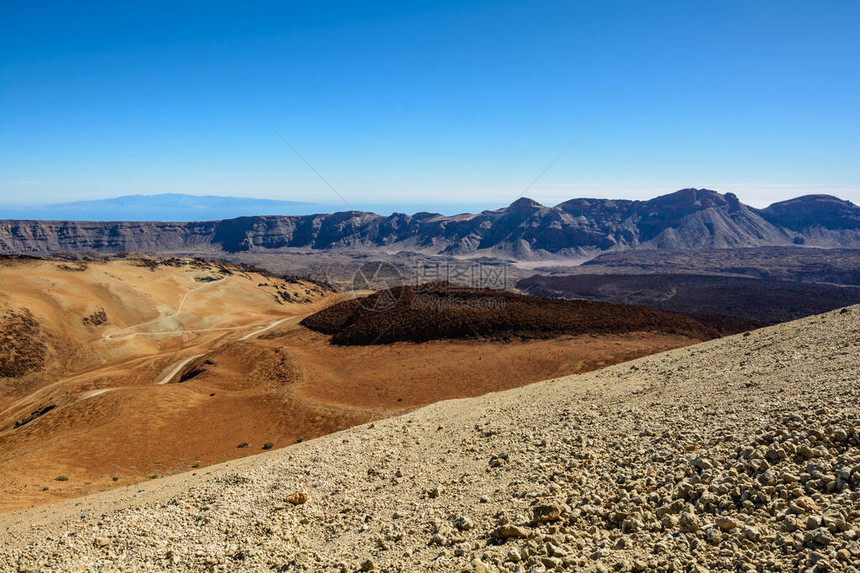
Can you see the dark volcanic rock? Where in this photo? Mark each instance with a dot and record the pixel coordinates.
(767, 301)
(445, 311)
(795, 263)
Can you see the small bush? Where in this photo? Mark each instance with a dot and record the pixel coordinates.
(115, 478)
(300, 440)
(153, 475)
(243, 445)
(268, 446)
(62, 478)
(195, 465)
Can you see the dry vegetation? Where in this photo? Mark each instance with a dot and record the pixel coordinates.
(21, 350)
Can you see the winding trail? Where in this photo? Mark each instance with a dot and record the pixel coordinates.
(271, 326)
(116, 335)
(168, 373)
(92, 393)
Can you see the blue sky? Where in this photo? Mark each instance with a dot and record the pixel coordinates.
(429, 102)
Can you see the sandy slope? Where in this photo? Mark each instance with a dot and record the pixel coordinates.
(736, 454)
(119, 334)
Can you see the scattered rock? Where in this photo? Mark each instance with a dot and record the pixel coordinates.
(464, 524)
(726, 523)
(546, 513)
(297, 498)
(508, 531)
(803, 504)
(688, 522)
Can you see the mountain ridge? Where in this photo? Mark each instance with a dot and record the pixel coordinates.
(688, 218)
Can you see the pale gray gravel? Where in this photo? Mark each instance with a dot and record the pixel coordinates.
(738, 454)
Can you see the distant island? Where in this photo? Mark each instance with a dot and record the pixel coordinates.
(161, 207)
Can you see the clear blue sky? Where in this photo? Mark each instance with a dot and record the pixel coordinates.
(439, 102)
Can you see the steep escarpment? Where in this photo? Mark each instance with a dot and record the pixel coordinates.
(46, 237)
(686, 219)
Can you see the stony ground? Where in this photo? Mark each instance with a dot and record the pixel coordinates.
(737, 454)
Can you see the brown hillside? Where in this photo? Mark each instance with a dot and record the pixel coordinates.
(135, 367)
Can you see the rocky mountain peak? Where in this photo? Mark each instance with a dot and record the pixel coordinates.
(692, 198)
(524, 205)
(811, 211)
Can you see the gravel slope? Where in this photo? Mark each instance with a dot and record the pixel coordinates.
(736, 454)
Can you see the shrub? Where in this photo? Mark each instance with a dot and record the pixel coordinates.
(115, 478)
(243, 445)
(62, 478)
(268, 446)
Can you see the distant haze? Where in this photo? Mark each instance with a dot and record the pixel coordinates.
(162, 207)
(178, 207)
(182, 207)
